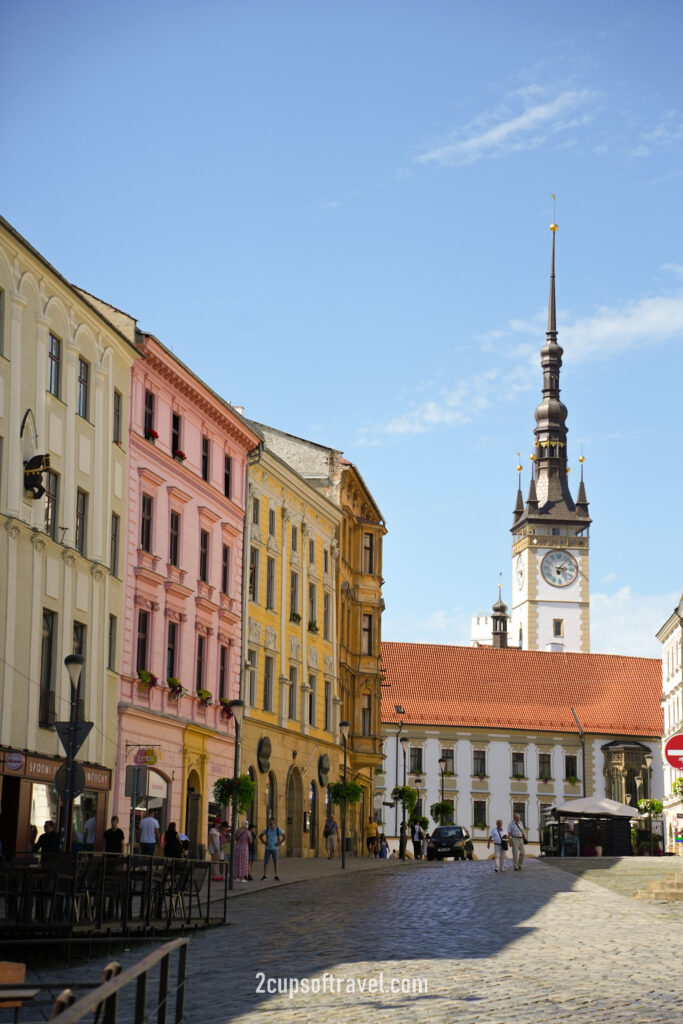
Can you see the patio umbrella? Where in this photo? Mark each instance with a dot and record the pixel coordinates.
(595, 807)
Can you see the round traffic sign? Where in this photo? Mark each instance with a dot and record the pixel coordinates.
(673, 751)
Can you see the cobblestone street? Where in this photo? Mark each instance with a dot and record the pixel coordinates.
(542, 945)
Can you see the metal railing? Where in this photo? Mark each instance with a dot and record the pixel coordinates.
(103, 1001)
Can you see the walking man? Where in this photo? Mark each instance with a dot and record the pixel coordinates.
(499, 838)
(518, 838)
(90, 831)
(272, 837)
(149, 834)
(113, 837)
(371, 833)
(330, 833)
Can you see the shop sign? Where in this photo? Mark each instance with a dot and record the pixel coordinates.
(41, 768)
(97, 778)
(14, 762)
(145, 755)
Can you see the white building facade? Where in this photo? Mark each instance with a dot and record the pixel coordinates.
(671, 637)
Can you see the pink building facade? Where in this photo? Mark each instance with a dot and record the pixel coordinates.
(182, 565)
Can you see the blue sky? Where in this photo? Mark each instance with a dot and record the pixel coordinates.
(337, 213)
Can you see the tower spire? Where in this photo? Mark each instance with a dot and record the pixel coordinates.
(552, 317)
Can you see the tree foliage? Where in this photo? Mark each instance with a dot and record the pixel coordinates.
(407, 796)
(442, 812)
(345, 793)
(239, 790)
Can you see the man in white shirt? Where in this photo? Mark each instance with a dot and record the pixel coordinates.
(90, 832)
(498, 836)
(517, 835)
(149, 834)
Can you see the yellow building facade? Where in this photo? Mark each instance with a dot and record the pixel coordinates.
(290, 734)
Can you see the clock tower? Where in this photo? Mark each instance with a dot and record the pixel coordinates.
(550, 532)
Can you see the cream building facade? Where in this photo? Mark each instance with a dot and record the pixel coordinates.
(65, 366)
(671, 638)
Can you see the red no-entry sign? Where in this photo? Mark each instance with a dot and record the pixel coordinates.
(673, 751)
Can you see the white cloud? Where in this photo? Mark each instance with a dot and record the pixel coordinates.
(442, 626)
(626, 623)
(611, 330)
(495, 134)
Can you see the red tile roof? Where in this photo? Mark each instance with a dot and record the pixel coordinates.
(512, 689)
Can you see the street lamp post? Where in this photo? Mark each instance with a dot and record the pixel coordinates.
(344, 730)
(639, 792)
(648, 766)
(442, 765)
(237, 708)
(402, 842)
(74, 666)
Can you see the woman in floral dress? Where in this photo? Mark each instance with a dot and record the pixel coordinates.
(242, 842)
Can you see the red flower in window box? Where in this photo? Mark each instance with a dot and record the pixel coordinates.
(180, 456)
(151, 434)
(226, 709)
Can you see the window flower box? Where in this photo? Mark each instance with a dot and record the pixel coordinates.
(205, 697)
(146, 680)
(151, 435)
(176, 689)
(226, 708)
(313, 626)
(294, 617)
(179, 456)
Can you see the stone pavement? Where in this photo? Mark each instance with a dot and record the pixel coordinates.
(542, 945)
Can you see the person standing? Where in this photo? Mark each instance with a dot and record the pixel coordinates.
(242, 844)
(518, 838)
(252, 851)
(273, 838)
(49, 841)
(90, 832)
(418, 833)
(371, 832)
(215, 850)
(172, 845)
(499, 838)
(113, 837)
(149, 834)
(330, 834)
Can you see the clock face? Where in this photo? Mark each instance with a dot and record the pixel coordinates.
(520, 572)
(559, 568)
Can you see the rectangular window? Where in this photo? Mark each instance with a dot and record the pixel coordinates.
(366, 716)
(225, 570)
(47, 669)
(368, 560)
(83, 388)
(295, 538)
(271, 522)
(268, 684)
(479, 813)
(149, 412)
(255, 511)
(205, 457)
(142, 638)
(479, 762)
(111, 645)
(558, 627)
(312, 604)
(327, 617)
(51, 503)
(253, 575)
(415, 759)
(293, 594)
(520, 809)
(328, 706)
(174, 538)
(251, 676)
(222, 672)
(311, 552)
(146, 523)
(171, 650)
(116, 424)
(367, 634)
(227, 476)
(517, 765)
(544, 769)
(199, 675)
(448, 755)
(312, 684)
(204, 556)
(293, 691)
(326, 561)
(571, 770)
(79, 633)
(175, 434)
(81, 521)
(54, 366)
(270, 583)
(114, 544)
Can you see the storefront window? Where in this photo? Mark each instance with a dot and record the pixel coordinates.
(84, 806)
(155, 800)
(44, 802)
